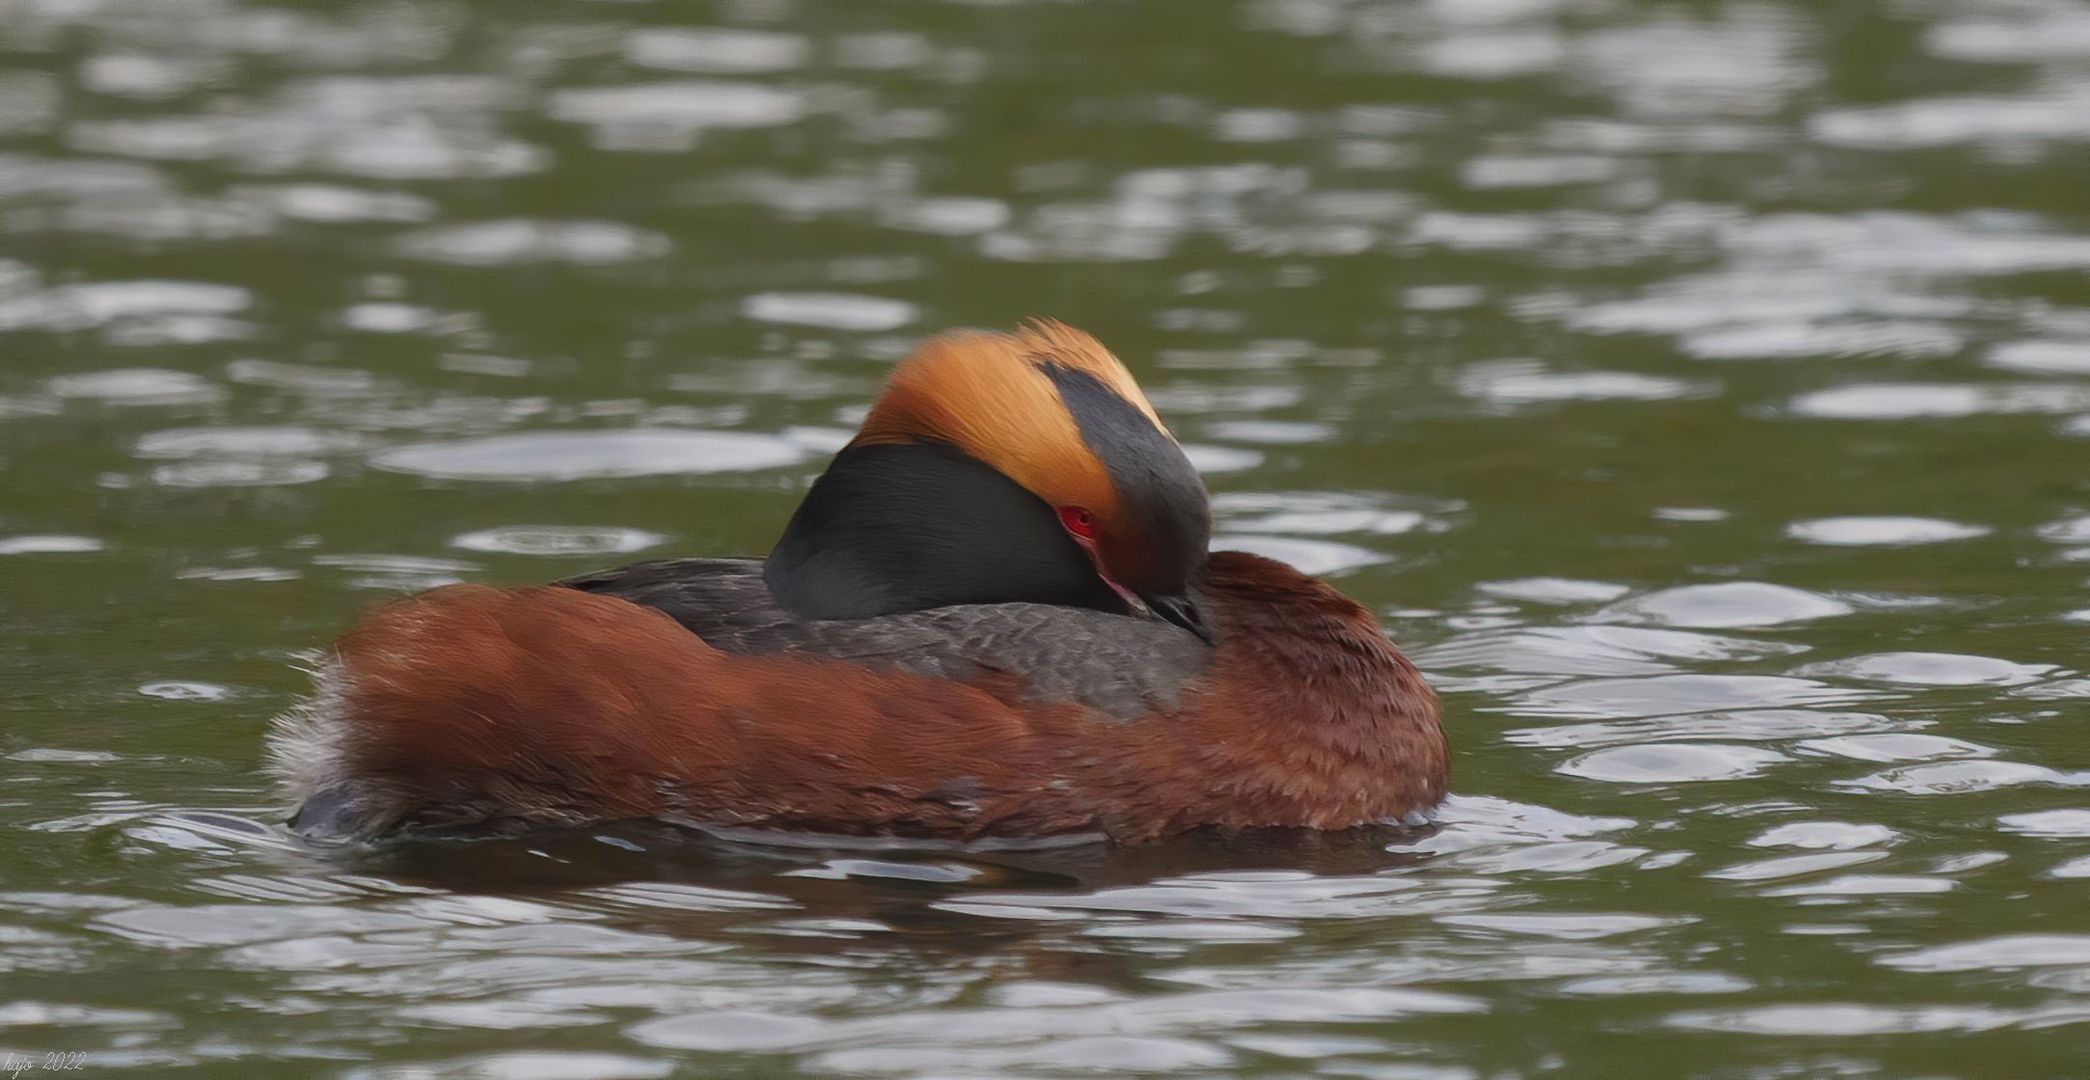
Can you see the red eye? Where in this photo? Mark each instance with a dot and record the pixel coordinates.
(1078, 521)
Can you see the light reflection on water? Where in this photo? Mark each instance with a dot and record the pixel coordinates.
(1692, 386)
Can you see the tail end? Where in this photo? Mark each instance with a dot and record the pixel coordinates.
(308, 756)
(470, 707)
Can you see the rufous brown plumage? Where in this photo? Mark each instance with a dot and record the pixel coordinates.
(993, 619)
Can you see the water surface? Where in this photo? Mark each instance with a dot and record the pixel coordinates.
(1699, 390)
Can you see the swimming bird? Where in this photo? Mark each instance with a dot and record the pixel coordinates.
(994, 618)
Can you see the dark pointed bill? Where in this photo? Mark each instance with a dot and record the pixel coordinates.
(1179, 610)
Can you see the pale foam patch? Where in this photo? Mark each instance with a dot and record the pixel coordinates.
(1672, 763)
(832, 311)
(1963, 777)
(1843, 1020)
(2042, 356)
(558, 540)
(258, 442)
(1316, 557)
(671, 117)
(715, 50)
(1881, 531)
(50, 544)
(590, 455)
(522, 241)
(1525, 382)
(137, 386)
(1677, 695)
(1723, 605)
(2062, 115)
(1553, 590)
(1931, 669)
(1938, 401)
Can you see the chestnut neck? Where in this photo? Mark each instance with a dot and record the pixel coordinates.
(890, 528)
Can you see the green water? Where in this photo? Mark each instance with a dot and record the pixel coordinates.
(1700, 390)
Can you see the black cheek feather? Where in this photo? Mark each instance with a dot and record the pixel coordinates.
(904, 527)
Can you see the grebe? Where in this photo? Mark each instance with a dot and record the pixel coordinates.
(994, 617)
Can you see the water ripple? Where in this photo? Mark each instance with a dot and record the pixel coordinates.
(1881, 531)
(1651, 367)
(589, 455)
(1736, 604)
(520, 241)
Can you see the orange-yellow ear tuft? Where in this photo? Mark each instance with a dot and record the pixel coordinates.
(1052, 341)
(987, 394)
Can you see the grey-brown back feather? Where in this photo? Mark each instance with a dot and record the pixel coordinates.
(1122, 665)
